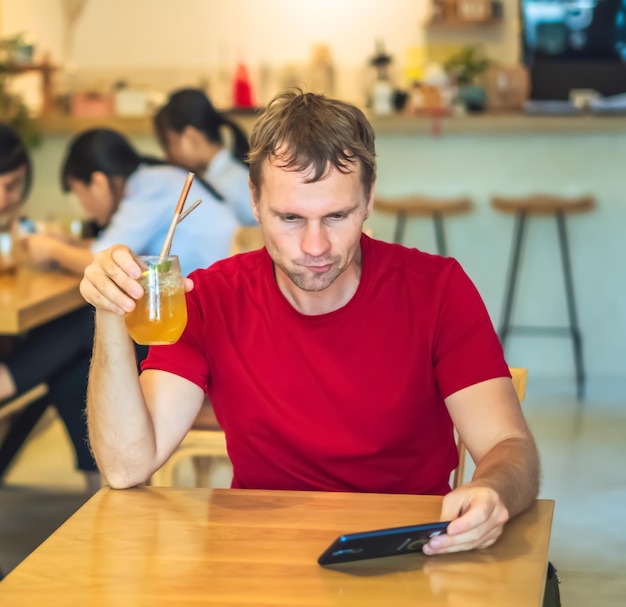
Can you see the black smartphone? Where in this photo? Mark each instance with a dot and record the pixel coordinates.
(380, 542)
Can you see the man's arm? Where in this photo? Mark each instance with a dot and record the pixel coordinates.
(134, 423)
(490, 422)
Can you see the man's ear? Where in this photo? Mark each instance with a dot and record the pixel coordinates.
(254, 202)
(370, 202)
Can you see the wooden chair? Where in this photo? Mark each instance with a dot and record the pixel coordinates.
(246, 238)
(520, 378)
(206, 441)
(18, 417)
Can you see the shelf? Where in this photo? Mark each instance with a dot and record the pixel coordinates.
(45, 70)
(500, 124)
(482, 124)
(456, 24)
(64, 124)
(449, 14)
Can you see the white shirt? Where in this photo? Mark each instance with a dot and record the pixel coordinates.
(144, 215)
(230, 178)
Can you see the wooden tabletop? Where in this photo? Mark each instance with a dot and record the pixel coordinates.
(163, 546)
(31, 298)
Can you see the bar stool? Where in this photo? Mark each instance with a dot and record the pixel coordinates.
(424, 206)
(558, 207)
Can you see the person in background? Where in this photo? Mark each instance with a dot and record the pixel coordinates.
(24, 367)
(333, 361)
(15, 173)
(189, 130)
(132, 198)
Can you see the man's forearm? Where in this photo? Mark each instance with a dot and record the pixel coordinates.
(512, 469)
(121, 431)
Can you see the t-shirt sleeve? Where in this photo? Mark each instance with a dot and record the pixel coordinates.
(186, 358)
(466, 347)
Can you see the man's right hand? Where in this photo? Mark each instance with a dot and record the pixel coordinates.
(110, 282)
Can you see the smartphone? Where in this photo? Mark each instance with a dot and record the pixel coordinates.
(26, 225)
(380, 542)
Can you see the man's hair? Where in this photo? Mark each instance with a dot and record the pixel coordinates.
(306, 131)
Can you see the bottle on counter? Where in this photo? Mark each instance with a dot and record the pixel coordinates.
(242, 88)
(382, 89)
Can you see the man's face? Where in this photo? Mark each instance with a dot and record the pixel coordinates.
(311, 230)
(12, 189)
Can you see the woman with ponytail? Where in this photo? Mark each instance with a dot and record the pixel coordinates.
(190, 131)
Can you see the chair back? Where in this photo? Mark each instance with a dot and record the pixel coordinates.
(246, 238)
(520, 378)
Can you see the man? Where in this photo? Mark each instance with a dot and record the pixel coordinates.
(333, 361)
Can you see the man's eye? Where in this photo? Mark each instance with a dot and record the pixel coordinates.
(290, 218)
(337, 216)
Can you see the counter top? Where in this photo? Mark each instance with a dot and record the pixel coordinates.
(500, 124)
(484, 124)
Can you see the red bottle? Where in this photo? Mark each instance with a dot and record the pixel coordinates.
(242, 89)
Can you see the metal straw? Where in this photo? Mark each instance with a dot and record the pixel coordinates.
(192, 207)
(167, 245)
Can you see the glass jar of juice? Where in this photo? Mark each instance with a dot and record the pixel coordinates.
(160, 315)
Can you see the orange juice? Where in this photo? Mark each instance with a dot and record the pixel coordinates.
(160, 316)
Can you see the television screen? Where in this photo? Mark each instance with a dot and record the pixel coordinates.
(574, 29)
(574, 44)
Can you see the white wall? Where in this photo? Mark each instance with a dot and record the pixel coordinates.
(136, 37)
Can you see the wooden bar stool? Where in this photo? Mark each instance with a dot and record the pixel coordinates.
(557, 207)
(423, 206)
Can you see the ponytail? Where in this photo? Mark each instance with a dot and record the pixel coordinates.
(191, 107)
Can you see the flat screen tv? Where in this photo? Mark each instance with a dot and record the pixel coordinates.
(574, 44)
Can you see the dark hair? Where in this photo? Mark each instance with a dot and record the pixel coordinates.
(191, 107)
(306, 130)
(108, 152)
(13, 155)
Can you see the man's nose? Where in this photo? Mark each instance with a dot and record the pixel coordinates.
(315, 241)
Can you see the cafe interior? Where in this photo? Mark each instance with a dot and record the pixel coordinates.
(500, 141)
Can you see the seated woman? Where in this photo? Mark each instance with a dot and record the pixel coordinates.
(24, 369)
(189, 130)
(15, 173)
(133, 199)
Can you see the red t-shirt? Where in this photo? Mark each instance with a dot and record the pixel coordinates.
(352, 400)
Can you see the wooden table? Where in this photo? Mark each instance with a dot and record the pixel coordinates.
(158, 546)
(31, 298)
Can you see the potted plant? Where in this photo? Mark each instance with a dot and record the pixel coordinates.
(467, 68)
(13, 110)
